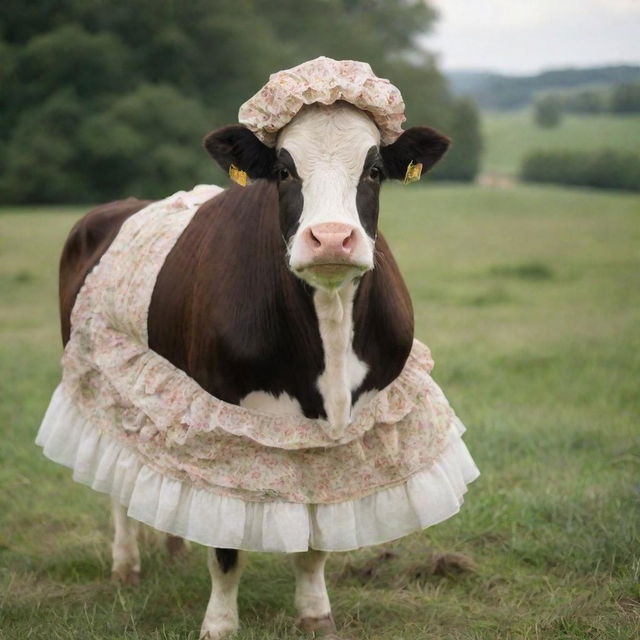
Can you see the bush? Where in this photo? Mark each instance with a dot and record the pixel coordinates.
(462, 161)
(605, 168)
(547, 111)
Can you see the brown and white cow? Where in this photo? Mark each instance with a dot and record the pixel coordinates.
(280, 296)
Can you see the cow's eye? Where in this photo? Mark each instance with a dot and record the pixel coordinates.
(283, 174)
(375, 173)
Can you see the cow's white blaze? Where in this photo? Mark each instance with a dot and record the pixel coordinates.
(329, 145)
(343, 371)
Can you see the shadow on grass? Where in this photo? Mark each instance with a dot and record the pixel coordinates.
(533, 271)
(491, 296)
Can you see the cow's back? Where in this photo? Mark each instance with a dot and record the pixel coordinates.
(87, 242)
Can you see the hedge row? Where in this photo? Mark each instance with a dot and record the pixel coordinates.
(604, 169)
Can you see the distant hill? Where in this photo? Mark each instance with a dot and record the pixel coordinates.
(503, 92)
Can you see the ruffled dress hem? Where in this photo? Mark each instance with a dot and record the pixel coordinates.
(107, 465)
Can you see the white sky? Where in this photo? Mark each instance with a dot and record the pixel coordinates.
(525, 36)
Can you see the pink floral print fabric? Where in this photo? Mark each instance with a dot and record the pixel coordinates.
(325, 81)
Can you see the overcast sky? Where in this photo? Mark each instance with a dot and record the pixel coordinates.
(526, 36)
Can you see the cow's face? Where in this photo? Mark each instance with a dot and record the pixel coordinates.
(328, 166)
(329, 173)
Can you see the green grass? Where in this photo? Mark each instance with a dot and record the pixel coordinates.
(510, 136)
(529, 300)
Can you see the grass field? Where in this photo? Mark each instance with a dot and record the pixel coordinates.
(529, 300)
(510, 136)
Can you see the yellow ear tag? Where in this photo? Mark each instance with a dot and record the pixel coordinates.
(414, 171)
(237, 175)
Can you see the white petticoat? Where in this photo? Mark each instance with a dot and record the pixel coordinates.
(98, 461)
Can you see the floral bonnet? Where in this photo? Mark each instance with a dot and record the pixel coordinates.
(325, 81)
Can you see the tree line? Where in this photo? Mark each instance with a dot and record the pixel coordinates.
(102, 100)
(499, 92)
(621, 99)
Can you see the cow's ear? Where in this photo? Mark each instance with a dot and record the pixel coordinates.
(420, 145)
(235, 144)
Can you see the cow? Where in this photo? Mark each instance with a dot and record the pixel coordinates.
(280, 295)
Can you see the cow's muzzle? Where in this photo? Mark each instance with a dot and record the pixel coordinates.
(330, 255)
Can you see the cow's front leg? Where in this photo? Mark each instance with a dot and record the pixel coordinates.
(221, 618)
(312, 599)
(125, 552)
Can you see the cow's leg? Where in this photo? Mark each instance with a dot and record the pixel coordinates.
(176, 546)
(312, 599)
(126, 555)
(221, 618)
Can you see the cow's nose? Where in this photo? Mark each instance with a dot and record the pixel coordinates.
(331, 240)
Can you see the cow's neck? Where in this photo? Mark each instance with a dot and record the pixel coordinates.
(343, 371)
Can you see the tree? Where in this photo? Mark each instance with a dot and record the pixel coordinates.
(586, 101)
(462, 161)
(147, 143)
(547, 111)
(625, 98)
(41, 156)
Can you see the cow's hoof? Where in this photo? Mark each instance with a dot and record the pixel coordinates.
(323, 627)
(218, 633)
(126, 576)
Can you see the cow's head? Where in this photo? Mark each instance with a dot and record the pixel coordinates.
(328, 165)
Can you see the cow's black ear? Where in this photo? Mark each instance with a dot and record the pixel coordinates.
(235, 144)
(418, 145)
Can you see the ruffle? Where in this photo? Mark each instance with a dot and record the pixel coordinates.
(325, 81)
(170, 402)
(108, 465)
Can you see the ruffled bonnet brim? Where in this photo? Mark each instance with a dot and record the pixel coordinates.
(324, 81)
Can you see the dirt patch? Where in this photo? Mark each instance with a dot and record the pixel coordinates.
(495, 180)
(388, 566)
(443, 564)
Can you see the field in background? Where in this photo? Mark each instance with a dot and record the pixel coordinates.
(510, 136)
(529, 300)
